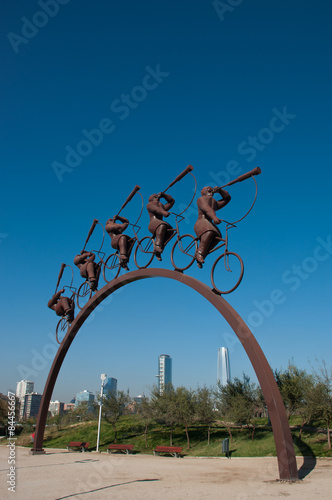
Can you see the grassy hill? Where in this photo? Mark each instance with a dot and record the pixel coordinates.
(131, 430)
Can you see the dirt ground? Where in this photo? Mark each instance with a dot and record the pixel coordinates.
(60, 474)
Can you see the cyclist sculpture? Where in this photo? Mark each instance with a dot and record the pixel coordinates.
(119, 241)
(162, 232)
(89, 269)
(63, 306)
(157, 226)
(205, 227)
(226, 271)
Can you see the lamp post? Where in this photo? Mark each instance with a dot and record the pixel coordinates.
(103, 377)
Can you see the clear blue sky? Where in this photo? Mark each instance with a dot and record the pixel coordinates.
(170, 84)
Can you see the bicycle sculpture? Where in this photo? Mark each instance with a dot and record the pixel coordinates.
(112, 265)
(162, 232)
(89, 269)
(226, 272)
(122, 243)
(186, 250)
(63, 306)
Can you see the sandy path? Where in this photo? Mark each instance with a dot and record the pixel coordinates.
(60, 475)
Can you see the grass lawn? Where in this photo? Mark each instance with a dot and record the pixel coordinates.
(130, 428)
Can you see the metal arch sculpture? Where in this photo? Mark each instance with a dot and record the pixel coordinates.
(281, 431)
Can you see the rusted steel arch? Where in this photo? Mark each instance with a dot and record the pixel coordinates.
(281, 431)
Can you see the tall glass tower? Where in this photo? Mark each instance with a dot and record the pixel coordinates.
(111, 386)
(223, 368)
(164, 372)
(85, 396)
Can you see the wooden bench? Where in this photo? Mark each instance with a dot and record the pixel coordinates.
(78, 444)
(175, 451)
(126, 448)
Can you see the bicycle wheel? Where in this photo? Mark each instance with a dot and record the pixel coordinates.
(111, 268)
(84, 294)
(143, 255)
(61, 330)
(229, 273)
(183, 252)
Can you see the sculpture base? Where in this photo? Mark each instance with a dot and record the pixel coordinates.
(39, 451)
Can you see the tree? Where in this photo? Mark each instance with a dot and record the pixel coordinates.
(185, 408)
(238, 401)
(83, 410)
(56, 420)
(3, 410)
(309, 407)
(113, 408)
(68, 417)
(292, 384)
(165, 407)
(205, 407)
(146, 412)
(323, 396)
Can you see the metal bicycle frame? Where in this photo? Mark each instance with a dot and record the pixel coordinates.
(229, 225)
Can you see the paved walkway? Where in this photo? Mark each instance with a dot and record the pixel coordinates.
(60, 475)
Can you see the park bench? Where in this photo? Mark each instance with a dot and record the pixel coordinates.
(175, 451)
(126, 448)
(78, 444)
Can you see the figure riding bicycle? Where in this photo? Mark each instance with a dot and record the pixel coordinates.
(89, 269)
(161, 230)
(119, 241)
(205, 228)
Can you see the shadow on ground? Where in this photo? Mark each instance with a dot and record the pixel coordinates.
(105, 488)
(309, 458)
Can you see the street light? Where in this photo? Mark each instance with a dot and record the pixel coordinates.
(103, 377)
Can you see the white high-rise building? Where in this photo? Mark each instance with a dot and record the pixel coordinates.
(223, 368)
(56, 408)
(23, 388)
(164, 371)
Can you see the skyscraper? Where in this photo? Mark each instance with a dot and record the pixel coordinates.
(56, 408)
(223, 368)
(23, 388)
(85, 397)
(164, 372)
(111, 386)
(31, 405)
